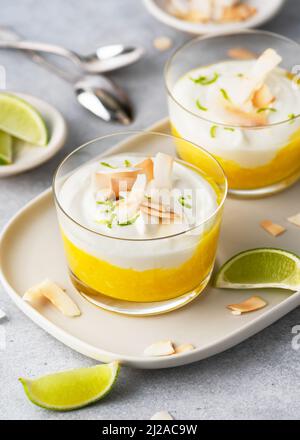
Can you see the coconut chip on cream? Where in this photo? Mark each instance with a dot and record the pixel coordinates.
(247, 98)
(145, 188)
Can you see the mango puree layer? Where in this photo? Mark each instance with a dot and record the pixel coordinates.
(147, 285)
(285, 164)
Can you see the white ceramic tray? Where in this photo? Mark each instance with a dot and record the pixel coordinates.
(31, 250)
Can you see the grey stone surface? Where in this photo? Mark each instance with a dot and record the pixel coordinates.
(255, 380)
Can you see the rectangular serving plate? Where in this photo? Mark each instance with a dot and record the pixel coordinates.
(31, 250)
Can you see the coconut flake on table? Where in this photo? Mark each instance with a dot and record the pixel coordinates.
(162, 415)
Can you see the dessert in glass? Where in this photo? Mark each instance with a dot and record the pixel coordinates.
(236, 96)
(140, 231)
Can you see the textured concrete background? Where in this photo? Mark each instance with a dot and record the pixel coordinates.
(255, 380)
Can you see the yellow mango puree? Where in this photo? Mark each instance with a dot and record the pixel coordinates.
(147, 285)
(285, 164)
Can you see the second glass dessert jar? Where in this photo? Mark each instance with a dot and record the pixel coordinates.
(259, 157)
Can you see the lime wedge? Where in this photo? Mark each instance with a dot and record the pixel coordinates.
(5, 148)
(260, 268)
(71, 389)
(20, 119)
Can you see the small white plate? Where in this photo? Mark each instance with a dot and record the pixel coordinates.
(266, 10)
(30, 156)
(105, 336)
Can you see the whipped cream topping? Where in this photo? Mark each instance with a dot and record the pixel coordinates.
(79, 200)
(188, 201)
(209, 91)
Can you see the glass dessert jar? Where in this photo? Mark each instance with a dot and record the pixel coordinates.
(140, 230)
(237, 95)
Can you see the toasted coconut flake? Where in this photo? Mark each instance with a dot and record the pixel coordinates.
(238, 12)
(249, 305)
(146, 167)
(128, 208)
(137, 192)
(263, 97)
(238, 116)
(161, 214)
(162, 43)
(161, 348)
(267, 62)
(295, 219)
(112, 182)
(183, 348)
(240, 53)
(158, 206)
(163, 169)
(272, 228)
(191, 10)
(162, 415)
(259, 72)
(123, 181)
(101, 184)
(56, 295)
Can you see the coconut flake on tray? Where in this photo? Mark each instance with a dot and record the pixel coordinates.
(55, 294)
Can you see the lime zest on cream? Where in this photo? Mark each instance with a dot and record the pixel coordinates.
(229, 129)
(105, 164)
(184, 203)
(265, 109)
(225, 95)
(108, 203)
(201, 107)
(130, 221)
(107, 221)
(127, 163)
(213, 131)
(292, 116)
(204, 80)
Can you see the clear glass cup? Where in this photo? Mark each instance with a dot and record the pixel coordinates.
(273, 161)
(140, 276)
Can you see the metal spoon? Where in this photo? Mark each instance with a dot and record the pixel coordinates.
(105, 59)
(97, 93)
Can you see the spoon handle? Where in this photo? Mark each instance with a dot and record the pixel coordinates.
(41, 47)
(11, 36)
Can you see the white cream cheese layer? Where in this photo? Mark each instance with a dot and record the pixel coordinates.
(112, 242)
(196, 94)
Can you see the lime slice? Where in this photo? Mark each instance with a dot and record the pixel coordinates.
(71, 389)
(5, 148)
(20, 119)
(260, 268)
